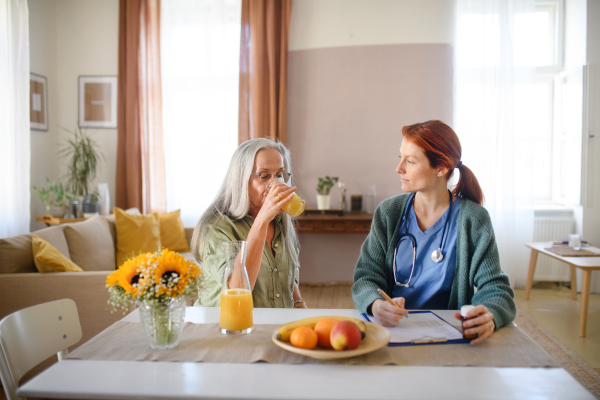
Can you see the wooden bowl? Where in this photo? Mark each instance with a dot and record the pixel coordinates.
(376, 337)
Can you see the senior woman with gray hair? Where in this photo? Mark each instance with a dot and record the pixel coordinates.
(248, 207)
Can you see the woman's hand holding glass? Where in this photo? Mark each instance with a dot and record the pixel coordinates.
(276, 197)
(483, 324)
(388, 314)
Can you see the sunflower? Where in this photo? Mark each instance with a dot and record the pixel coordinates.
(132, 272)
(113, 278)
(171, 274)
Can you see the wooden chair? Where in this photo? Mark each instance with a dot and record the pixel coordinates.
(31, 335)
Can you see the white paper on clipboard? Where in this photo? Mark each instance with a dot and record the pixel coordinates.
(421, 326)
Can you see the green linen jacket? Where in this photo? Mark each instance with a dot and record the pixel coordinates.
(478, 277)
(274, 287)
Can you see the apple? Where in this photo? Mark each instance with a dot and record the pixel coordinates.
(345, 335)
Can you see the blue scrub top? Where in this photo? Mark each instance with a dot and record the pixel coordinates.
(431, 282)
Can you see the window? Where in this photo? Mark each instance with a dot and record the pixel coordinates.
(200, 45)
(567, 137)
(552, 108)
(540, 35)
(547, 114)
(536, 111)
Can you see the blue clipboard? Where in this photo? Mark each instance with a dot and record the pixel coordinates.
(424, 341)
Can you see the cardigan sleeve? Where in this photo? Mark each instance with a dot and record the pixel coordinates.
(492, 283)
(370, 272)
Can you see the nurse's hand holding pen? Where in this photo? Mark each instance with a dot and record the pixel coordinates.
(388, 314)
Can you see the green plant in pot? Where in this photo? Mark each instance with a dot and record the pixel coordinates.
(323, 188)
(55, 198)
(84, 158)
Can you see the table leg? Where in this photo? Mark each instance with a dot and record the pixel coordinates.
(573, 282)
(585, 299)
(532, 262)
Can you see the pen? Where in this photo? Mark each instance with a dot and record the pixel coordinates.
(389, 300)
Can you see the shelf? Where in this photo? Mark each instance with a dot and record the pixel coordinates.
(359, 222)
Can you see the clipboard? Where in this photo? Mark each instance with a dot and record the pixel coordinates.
(423, 339)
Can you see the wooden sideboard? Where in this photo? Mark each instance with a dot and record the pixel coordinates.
(324, 223)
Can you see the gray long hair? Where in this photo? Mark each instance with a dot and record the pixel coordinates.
(233, 199)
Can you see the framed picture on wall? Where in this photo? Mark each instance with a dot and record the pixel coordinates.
(38, 102)
(98, 102)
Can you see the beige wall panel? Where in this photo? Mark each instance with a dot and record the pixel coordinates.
(346, 108)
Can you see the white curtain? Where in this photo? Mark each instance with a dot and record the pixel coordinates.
(200, 46)
(15, 152)
(493, 98)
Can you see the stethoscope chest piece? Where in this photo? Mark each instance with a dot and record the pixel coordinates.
(437, 256)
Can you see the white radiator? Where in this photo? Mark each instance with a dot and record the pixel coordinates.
(547, 229)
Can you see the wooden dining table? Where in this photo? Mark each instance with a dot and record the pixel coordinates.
(128, 379)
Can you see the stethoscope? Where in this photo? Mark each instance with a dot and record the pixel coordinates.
(436, 255)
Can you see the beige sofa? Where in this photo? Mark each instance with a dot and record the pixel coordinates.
(89, 244)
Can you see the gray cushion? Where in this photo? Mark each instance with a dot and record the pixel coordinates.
(16, 255)
(111, 224)
(55, 235)
(91, 244)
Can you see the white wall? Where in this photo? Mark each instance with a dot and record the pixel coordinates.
(337, 23)
(78, 37)
(42, 40)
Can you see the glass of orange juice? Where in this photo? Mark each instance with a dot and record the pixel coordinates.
(236, 307)
(294, 207)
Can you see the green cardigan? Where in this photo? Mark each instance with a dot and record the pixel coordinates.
(478, 278)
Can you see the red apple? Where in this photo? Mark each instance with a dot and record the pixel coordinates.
(345, 335)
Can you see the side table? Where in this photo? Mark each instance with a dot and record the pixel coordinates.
(586, 264)
(49, 220)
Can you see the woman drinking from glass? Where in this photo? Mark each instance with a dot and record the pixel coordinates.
(431, 248)
(248, 207)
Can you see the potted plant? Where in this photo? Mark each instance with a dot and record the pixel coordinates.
(83, 160)
(323, 188)
(55, 198)
(90, 203)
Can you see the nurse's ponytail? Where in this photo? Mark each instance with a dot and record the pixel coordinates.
(442, 148)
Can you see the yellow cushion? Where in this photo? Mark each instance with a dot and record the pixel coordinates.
(172, 234)
(48, 259)
(136, 234)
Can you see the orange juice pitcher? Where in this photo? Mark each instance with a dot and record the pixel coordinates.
(236, 307)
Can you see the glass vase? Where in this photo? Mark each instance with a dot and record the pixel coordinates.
(162, 322)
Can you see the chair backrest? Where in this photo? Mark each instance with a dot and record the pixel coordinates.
(31, 335)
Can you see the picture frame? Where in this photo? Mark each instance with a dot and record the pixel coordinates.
(38, 102)
(97, 102)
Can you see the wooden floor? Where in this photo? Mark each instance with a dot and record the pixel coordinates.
(325, 295)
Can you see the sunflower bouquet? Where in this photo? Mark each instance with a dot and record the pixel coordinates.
(153, 278)
(159, 283)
